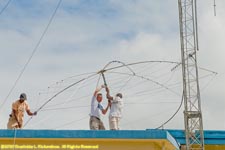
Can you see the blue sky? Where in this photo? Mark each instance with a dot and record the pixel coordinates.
(87, 34)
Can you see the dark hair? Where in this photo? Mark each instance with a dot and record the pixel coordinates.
(99, 94)
(119, 95)
(23, 96)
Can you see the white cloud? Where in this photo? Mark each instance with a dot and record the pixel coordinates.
(150, 47)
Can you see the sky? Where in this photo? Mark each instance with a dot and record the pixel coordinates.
(87, 34)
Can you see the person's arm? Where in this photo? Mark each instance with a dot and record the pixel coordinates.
(104, 111)
(109, 97)
(28, 110)
(30, 113)
(98, 89)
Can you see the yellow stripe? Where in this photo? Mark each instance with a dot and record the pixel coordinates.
(87, 144)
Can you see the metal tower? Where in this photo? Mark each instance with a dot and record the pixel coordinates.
(191, 92)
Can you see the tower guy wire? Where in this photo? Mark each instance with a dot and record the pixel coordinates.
(32, 54)
(6, 6)
(214, 5)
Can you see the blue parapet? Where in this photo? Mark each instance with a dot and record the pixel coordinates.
(123, 134)
(211, 137)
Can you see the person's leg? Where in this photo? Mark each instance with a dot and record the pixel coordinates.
(118, 123)
(94, 123)
(112, 123)
(12, 123)
(101, 125)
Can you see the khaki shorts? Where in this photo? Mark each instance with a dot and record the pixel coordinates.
(114, 123)
(96, 124)
(12, 123)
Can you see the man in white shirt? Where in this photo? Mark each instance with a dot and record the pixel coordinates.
(116, 109)
(96, 110)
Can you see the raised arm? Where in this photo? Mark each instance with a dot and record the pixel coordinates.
(109, 97)
(98, 89)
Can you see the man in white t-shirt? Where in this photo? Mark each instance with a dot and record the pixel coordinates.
(116, 109)
(96, 110)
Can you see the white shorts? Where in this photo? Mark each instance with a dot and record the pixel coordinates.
(114, 123)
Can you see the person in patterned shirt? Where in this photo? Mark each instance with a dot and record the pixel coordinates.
(18, 109)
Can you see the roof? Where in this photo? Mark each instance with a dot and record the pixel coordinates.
(106, 139)
(170, 138)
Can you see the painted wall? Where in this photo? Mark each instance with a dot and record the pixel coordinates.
(104, 140)
(85, 144)
(86, 140)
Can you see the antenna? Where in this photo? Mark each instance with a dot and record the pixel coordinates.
(191, 92)
(214, 5)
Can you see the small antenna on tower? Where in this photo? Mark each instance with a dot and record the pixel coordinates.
(214, 7)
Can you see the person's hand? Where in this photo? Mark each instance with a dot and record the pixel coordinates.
(35, 113)
(19, 125)
(109, 103)
(107, 89)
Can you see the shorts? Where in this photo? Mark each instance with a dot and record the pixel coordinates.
(114, 123)
(96, 124)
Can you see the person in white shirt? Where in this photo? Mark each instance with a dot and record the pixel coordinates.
(116, 109)
(95, 122)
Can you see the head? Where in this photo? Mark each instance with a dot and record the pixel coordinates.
(99, 97)
(119, 95)
(23, 97)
